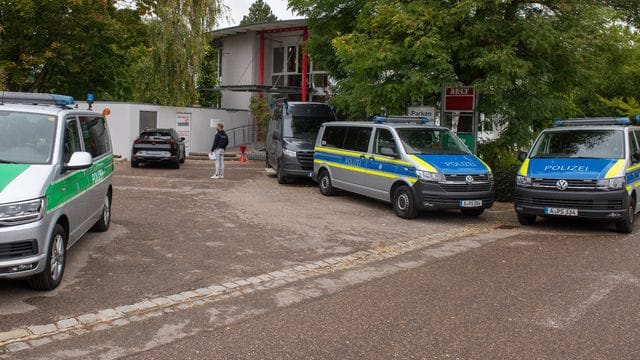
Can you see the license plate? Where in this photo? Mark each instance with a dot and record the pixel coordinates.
(470, 203)
(561, 211)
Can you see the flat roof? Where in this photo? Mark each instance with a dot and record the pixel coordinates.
(270, 26)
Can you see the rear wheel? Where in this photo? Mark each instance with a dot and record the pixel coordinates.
(134, 164)
(403, 203)
(51, 277)
(524, 219)
(102, 224)
(472, 212)
(325, 184)
(626, 226)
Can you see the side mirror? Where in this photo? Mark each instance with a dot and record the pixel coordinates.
(79, 160)
(275, 135)
(387, 151)
(522, 156)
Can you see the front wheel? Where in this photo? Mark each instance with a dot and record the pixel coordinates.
(403, 203)
(102, 224)
(280, 175)
(325, 184)
(472, 212)
(51, 277)
(524, 219)
(626, 226)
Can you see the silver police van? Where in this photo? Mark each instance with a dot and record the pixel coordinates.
(586, 168)
(404, 161)
(56, 165)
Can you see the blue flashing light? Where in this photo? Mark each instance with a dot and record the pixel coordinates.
(401, 119)
(63, 100)
(593, 121)
(90, 97)
(636, 119)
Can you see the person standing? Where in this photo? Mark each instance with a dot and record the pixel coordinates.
(220, 142)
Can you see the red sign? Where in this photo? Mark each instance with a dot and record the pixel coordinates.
(459, 99)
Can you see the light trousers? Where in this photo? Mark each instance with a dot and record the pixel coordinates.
(219, 162)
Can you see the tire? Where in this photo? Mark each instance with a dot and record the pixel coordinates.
(280, 175)
(403, 203)
(526, 219)
(53, 272)
(325, 185)
(175, 164)
(102, 224)
(134, 164)
(626, 226)
(472, 212)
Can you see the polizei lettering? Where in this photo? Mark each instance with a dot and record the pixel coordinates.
(459, 163)
(577, 168)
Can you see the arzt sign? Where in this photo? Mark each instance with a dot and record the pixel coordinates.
(459, 99)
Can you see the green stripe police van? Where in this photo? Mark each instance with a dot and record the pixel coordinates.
(404, 161)
(56, 166)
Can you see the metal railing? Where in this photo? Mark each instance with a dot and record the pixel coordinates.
(245, 134)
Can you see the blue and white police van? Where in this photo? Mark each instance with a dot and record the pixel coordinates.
(405, 161)
(582, 168)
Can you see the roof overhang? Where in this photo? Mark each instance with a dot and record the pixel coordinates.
(271, 27)
(262, 89)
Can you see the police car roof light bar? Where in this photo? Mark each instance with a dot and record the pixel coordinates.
(36, 99)
(398, 119)
(593, 121)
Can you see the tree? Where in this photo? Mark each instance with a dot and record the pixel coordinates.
(530, 60)
(208, 79)
(178, 30)
(259, 12)
(62, 46)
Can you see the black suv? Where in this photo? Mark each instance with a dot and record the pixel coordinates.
(158, 145)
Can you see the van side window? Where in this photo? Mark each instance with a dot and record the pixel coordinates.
(333, 136)
(357, 139)
(383, 139)
(71, 139)
(635, 147)
(95, 135)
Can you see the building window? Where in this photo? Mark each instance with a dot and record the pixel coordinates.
(278, 60)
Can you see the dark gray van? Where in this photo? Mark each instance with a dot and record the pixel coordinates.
(291, 135)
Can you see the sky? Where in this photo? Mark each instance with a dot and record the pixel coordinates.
(240, 8)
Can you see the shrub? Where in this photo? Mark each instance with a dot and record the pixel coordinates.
(504, 165)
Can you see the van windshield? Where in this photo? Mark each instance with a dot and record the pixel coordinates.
(26, 138)
(596, 144)
(431, 141)
(305, 120)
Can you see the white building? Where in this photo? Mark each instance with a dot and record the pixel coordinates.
(270, 59)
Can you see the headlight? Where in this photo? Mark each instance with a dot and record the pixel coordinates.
(523, 181)
(289, 152)
(490, 177)
(430, 176)
(612, 184)
(22, 212)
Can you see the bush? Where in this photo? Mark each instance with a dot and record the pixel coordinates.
(505, 181)
(504, 166)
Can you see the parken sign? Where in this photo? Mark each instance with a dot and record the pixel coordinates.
(428, 111)
(459, 98)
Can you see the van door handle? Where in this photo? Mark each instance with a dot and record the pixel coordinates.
(372, 158)
(362, 156)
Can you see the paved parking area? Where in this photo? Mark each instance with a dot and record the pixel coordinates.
(177, 235)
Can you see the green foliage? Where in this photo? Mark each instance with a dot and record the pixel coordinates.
(259, 12)
(178, 33)
(260, 110)
(502, 160)
(64, 46)
(531, 62)
(208, 80)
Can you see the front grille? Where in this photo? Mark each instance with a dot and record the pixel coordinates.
(18, 249)
(574, 185)
(305, 158)
(458, 183)
(572, 204)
